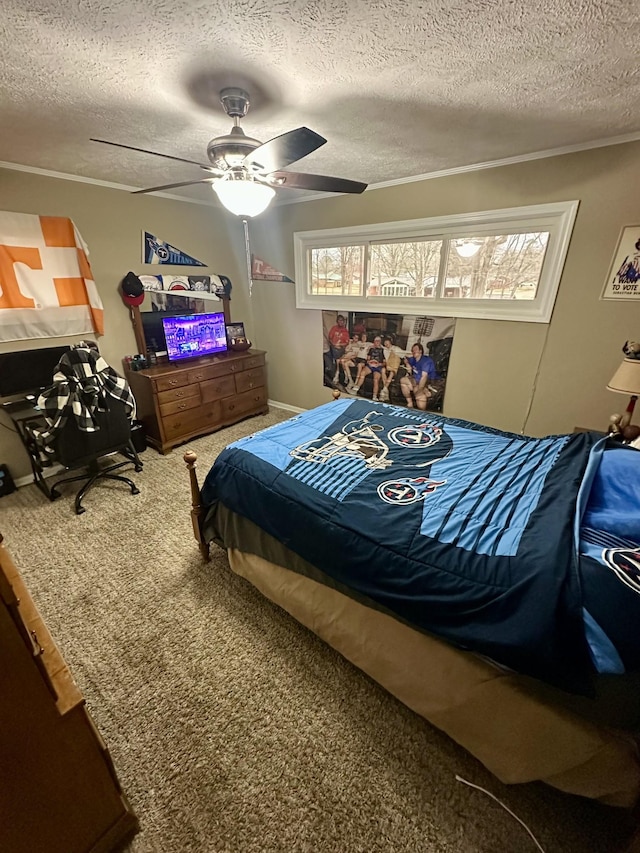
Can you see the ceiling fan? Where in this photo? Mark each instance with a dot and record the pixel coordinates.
(245, 172)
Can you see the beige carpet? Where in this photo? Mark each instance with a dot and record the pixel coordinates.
(232, 727)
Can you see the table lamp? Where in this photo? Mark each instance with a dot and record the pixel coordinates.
(626, 380)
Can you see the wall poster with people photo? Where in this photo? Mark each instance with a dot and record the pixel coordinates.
(391, 358)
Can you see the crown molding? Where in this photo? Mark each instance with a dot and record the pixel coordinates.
(65, 176)
(489, 164)
(427, 176)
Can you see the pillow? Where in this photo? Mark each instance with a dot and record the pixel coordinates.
(614, 500)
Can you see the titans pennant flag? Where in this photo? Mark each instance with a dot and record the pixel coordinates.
(156, 251)
(47, 288)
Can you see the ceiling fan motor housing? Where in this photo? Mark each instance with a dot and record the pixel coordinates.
(225, 152)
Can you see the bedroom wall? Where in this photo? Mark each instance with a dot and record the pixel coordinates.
(543, 378)
(111, 222)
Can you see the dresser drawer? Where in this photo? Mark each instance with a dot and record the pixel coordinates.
(249, 379)
(214, 389)
(210, 371)
(175, 380)
(253, 361)
(182, 405)
(244, 403)
(178, 394)
(207, 415)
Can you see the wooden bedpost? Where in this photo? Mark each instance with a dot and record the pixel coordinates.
(196, 507)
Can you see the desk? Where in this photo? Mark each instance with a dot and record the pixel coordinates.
(22, 412)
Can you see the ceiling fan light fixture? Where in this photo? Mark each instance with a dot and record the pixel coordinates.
(244, 198)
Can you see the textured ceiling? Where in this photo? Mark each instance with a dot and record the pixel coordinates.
(399, 88)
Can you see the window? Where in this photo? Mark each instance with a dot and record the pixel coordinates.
(497, 264)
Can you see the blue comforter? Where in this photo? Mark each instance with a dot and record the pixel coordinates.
(463, 531)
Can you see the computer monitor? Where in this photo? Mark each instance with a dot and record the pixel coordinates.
(193, 335)
(29, 371)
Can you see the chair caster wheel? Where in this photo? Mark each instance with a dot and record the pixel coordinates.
(138, 468)
(54, 495)
(135, 491)
(80, 510)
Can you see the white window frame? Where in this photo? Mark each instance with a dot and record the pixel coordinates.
(557, 218)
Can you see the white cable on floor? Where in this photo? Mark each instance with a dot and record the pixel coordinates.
(493, 797)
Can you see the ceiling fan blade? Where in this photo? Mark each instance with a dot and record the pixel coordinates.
(321, 183)
(172, 186)
(282, 150)
(155, 153)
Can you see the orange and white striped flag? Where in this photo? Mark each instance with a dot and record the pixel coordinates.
(46, 284)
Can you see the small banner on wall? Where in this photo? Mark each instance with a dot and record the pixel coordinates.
(190, 285)
(46, 284)
(262, 271)
(623, 281)
(393, 358)
(156, 251)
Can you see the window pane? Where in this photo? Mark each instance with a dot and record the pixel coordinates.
(506, 266)
(337, 271)
(404, 269)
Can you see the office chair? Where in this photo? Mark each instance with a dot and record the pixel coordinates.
(76, 449)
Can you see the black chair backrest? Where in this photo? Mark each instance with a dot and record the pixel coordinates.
(74, 447)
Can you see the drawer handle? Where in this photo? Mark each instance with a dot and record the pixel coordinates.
(173, 382)
(257, 398)
(231, 407)
(38, 650)
(251, 385)
(182, 406)
(198, 376)
(180, 394)
(233, 367)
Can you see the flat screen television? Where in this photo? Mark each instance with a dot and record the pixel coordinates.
(192, 335)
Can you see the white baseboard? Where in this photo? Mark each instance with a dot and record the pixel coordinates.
(27, 480)
(285, 406)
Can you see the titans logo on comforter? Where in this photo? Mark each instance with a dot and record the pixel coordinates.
(464, 531)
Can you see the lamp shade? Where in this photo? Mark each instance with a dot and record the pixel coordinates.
(244, 197)
(626, 379)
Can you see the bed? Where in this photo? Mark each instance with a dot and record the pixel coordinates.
(490, 581)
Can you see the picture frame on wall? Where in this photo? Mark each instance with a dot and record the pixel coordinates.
(623, 280)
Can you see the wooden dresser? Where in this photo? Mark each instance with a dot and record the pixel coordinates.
(59, 789)
(177, 402)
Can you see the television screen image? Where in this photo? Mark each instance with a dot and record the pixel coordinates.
(192, 335)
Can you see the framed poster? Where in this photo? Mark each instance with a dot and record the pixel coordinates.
(388, 358)
(623, 281)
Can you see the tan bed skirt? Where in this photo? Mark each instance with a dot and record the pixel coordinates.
(518, 735)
